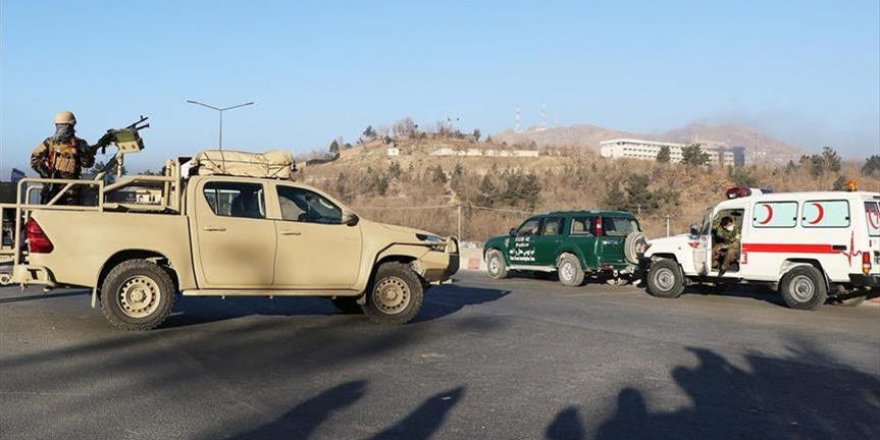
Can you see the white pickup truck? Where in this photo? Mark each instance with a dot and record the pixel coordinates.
(810, 246)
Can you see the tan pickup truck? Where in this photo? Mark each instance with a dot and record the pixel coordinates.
(145, 238)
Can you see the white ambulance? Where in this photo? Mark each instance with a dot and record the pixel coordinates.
(810, 246)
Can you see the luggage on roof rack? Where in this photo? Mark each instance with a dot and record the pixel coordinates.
(274, 164)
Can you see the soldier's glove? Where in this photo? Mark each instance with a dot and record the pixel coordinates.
(105, 140)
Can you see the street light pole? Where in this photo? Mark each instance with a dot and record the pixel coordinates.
(219, 110)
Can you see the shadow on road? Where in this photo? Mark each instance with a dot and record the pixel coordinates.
(450, 298)
(42, 296)
(770, 398)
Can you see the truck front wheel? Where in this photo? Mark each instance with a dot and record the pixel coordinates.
(495, 265)
(665, 279)
(395, 295)
(803, 288)
(137, 295)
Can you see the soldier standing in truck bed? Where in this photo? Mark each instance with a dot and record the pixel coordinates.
(64, 156)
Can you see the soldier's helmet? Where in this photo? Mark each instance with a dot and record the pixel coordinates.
(65, 117)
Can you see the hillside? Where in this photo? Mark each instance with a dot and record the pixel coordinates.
(424, 191)
(760, 147)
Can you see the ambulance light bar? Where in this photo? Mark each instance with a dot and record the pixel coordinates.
(738, 192)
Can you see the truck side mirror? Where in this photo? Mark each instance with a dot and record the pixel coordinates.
(350, 219)
(512, 232)
(695, 232)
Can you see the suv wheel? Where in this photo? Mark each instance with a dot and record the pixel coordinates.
(804, 288)
(395, 295)
(495, 265)
(665, 279)
(569, 270)
(137, 295)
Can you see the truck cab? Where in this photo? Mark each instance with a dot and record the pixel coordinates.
(810, 246)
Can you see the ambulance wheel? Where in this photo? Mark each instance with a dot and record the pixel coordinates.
(803, 288)
(495, 265)
(137, 295)
(665, 279)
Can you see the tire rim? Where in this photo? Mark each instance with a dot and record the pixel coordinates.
(802, 288)
(392, 295)
(494, 265)
(664, 279)
(139, 296)
(566, 272)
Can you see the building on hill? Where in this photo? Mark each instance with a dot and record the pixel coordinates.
(647, 150)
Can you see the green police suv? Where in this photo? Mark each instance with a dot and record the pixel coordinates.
(574, 244)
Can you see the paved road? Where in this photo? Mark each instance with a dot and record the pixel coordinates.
(516, 359)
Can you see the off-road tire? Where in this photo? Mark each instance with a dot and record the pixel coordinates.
(402, 280)
(803, 288)
(569, 270)
(161, 286)
(495, 265)
(348, 305)
(665, 279)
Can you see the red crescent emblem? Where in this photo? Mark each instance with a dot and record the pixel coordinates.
(874, 219)
(769, 215)
(821, 213)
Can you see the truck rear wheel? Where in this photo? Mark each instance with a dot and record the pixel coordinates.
(665, 279)
(495, 265)
(137, 295)
(395, 295)
(569, 270)
(804, 288)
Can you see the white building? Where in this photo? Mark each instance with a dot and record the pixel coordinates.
(648, 150)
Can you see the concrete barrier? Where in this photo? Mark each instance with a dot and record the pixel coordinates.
(472, 258)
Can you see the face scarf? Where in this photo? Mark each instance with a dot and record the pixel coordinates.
(63, 132)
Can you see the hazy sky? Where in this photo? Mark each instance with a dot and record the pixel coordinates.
(807, 72)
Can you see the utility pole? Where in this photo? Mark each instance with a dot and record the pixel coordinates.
(459, 224)
(220, 110)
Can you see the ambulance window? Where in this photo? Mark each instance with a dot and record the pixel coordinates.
(825, 214)
(872, 214)
(775, 215)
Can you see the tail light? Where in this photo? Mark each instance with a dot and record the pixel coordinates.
(598, 227)
(38, 241)
(866, 262)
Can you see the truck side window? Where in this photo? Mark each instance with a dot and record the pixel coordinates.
(235, 199)
(552, 226)
(302, 205)
(530, 227)
(582, 226)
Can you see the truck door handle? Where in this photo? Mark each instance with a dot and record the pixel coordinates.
(291, 233)
(214, 228)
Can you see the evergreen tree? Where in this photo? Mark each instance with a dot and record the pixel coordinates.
(488, 192)
(872, 166)
(664, 155)
(334, 147)
(438, 176)
(694, 155)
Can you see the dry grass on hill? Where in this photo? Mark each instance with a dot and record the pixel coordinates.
(407, 190)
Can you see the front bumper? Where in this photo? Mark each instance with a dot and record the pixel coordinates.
(436, 267)
(860, 280)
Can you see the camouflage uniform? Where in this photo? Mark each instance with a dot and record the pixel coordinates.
(62, 160)
(726, 245)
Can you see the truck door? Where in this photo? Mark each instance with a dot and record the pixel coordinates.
(580, 233)
(235, 243)
(701, 243)
(547, 242)
(614, 231)
(522, 250)
(315, 249)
